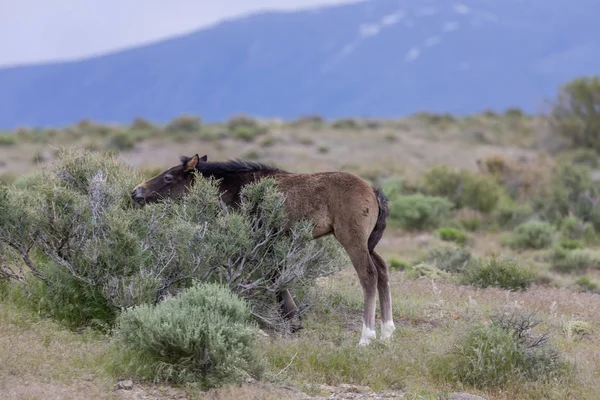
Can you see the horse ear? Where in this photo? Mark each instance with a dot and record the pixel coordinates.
(204, 158)
(191, 163)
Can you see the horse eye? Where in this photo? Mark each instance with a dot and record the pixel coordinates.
(168, 178)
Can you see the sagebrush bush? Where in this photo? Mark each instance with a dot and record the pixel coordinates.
(419, 212)
(398, 264)
(453, 235)
(481, 193)
(571, 244)
(510, 214)
(575, 229)
(7, 139)
(79, 215)
(575, 113)
(121, 140)
(468, 219)
(572, 261)
(587, 284)
(204, 334)
(245, 128)
(449, 259)
(570, 192)
(534, 235)
(478, 192)
(501, 272)
(184, 124)
(499, 354)
(424, 270)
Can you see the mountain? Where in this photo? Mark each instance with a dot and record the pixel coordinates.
(379, 58)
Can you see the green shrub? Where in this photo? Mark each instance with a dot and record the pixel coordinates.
(499, 272)
(121, 140)
(464, 189)
(453, 235)
(514, 112)
(575, 115)
(442, 181)
(534, 235)
(392, 187)
(419, 212)
(481, 193)
(184, 124)
(7, 139)
(468, 219)
(345, 123)
(423, 270)
(573, 228)
(571, 244)
(449, 259)
(571, 192)
(510, 214)
(244, 128)
(569, 261)
(585, 283)
(500, 354)
(204, 334)
(398, 264)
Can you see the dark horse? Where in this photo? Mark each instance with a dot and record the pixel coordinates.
(338, 203)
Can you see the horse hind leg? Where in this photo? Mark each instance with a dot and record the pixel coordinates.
(367, 274)
(385, 297)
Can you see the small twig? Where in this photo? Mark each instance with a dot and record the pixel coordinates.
(287, 366)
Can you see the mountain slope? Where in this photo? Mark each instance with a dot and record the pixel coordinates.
(378, 58)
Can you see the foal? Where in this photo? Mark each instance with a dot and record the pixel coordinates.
(338, 203)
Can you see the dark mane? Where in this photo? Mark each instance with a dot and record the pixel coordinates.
(233, 167)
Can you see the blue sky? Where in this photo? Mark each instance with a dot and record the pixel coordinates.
(44, 30)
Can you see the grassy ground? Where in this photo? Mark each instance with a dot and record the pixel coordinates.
(39, 359)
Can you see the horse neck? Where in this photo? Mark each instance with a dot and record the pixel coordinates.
(231, 185)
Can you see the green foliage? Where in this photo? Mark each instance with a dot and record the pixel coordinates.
(575, 229)
(95, 244)
(575, 115)
(392, 187)
(514, 112)
(464, 189)
(453, 235)
(419, 212)
(449, 259)
(398, 264)
(423, 270)
(572, 261)
(499, 272)
(510, 214)
(345, 123)
(571, 244)
(204, 334)
(481, 193)
(244, 128)
(534, 235)
(7, 139)
(184, 124)
(121, 140)
(497, 355)
(468, 219)
(571, 193)
(587, 284)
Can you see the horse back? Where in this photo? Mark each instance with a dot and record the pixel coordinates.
(330, 200)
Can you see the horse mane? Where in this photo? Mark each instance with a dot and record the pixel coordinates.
(233, 167)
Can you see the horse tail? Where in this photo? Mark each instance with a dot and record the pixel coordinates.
(380, 225)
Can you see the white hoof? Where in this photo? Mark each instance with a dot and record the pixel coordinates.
(387, 328)
(367, 335)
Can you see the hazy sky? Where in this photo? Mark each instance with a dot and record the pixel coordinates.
(41, 30)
